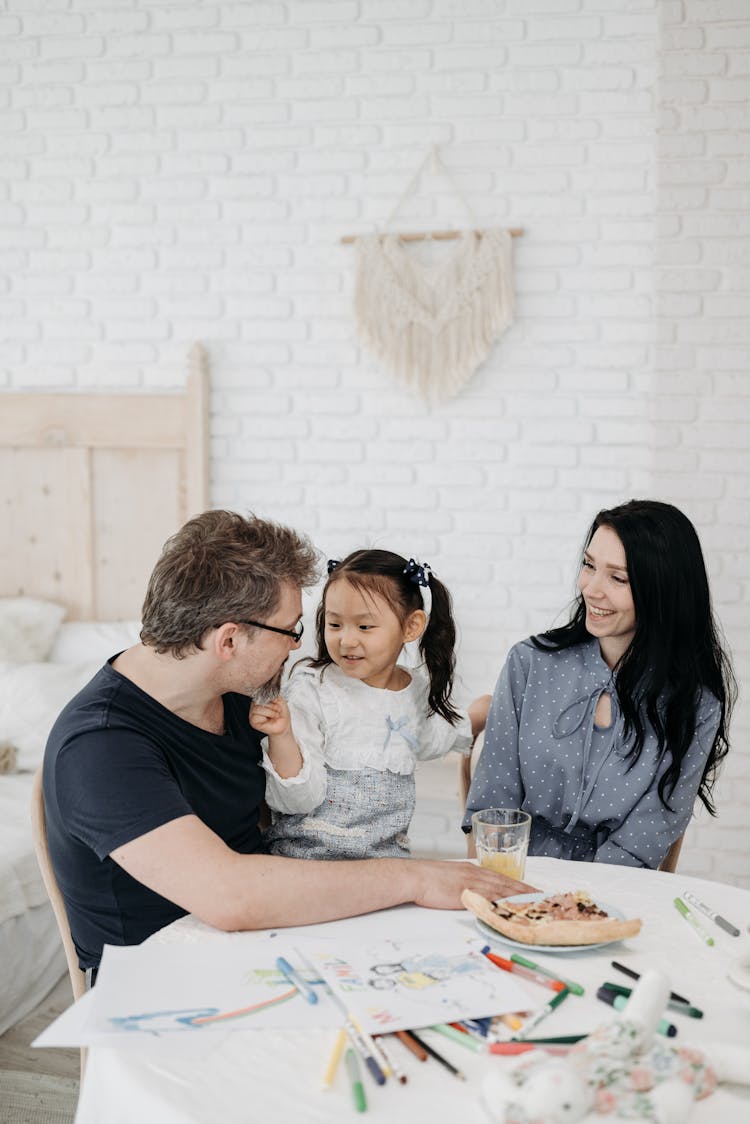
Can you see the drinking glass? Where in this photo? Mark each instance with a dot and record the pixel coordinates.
(501, 836)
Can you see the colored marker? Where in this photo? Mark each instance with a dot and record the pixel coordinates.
(722, 922)
(636, 976)
(469, 1032)
(527, 973)
(296, 980)
(547, 1009)
(334, 1060)
(683, 1008)
(620, 1002)
(393, 1065)
(372, 1046)
(574, 987)
(692, 920)
(363, 1050)
(560, 1043)
(467, 1040)
(355, 1080)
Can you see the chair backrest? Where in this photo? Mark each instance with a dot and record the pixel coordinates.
(465, 770)
(39, 832)
(669, 862)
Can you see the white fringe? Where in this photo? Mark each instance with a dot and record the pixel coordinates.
(432, 325)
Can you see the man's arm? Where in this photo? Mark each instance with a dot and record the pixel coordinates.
(190, 865)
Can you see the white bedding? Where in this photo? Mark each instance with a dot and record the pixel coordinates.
(31, 953)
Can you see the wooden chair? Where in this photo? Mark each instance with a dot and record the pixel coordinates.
(465, 770)
(669, 862)
(39, 833)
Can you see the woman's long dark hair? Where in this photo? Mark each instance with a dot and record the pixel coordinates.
(676, 651)
(383, 572)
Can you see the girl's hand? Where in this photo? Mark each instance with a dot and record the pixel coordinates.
(271, 718)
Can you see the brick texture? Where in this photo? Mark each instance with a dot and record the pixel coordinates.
(182, 171)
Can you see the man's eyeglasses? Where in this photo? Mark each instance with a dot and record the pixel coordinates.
(294, 634)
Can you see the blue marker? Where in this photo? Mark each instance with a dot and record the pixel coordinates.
(296, 980)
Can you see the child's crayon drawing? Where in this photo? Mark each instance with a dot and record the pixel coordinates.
(396, 985)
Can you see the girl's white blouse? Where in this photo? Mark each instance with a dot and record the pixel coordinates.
(342, 723)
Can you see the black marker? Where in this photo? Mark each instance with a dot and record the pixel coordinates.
(636, 976)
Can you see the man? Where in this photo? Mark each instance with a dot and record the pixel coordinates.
(152, 777)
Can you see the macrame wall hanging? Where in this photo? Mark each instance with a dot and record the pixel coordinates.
(431, 325)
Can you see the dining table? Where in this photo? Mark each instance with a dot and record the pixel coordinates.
(259, 1076)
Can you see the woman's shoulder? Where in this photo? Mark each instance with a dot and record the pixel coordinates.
(537, 649)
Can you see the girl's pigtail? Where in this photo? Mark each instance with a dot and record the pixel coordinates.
(437, 646)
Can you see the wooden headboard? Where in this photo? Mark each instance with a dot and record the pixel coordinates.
(91, 485)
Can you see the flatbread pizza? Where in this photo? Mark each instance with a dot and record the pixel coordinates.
(559, 919)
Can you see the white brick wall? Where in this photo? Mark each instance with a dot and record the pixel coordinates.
(182, 170)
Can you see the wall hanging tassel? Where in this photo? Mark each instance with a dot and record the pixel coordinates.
(431, 325)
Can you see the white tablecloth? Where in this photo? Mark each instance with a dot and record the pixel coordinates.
(260, 1077)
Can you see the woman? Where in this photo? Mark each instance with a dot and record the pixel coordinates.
(606, 729)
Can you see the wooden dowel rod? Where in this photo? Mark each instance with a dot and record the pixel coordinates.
(437, 235)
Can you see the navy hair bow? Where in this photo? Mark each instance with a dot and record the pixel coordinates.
(418, 572)
(332, 564)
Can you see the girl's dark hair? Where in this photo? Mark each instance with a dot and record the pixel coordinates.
(676, 651)
(382, 572)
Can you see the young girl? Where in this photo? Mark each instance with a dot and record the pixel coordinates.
(607, 728)
(342, 747)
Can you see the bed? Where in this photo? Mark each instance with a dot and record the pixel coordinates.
(91, 484)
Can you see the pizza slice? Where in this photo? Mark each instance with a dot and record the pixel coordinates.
(560, 919)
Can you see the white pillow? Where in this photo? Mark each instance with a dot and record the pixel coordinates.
(93, 640)
(31, 697)
(28, 628)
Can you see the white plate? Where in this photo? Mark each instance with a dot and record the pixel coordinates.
(493, 935)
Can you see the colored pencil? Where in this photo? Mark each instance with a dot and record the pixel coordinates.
(438, 1057)
(411, 1044)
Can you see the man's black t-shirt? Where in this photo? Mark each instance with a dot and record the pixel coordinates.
(119, 764)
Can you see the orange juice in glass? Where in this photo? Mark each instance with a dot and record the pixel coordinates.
(501, 836)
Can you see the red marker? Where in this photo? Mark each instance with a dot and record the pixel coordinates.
(527, 973)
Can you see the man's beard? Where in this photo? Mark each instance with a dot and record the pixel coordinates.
(269, 690)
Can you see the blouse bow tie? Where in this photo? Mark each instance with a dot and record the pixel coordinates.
(583, 711)
(399, 727)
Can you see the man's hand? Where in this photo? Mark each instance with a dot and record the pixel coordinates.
(441, 883)
(271, 718)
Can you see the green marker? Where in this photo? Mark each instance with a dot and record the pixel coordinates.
(547, 1009)
(683, 1008)
(458, 1036)
(574, 987)
(355, 1080)
(689, 916)
(620, 1002)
